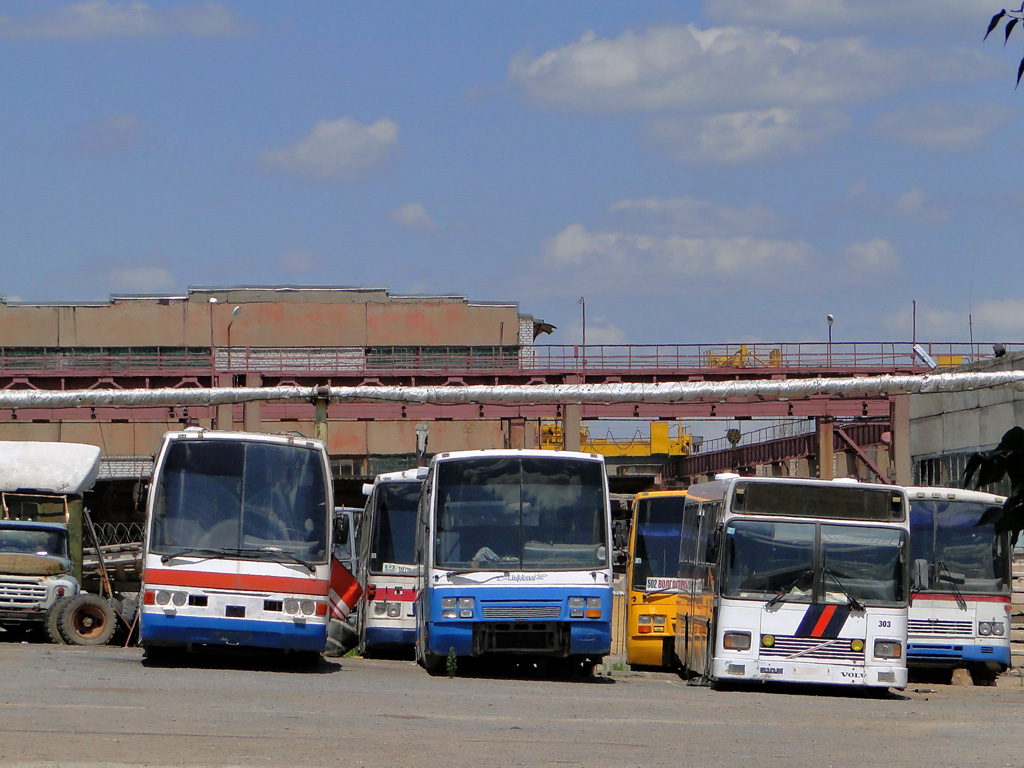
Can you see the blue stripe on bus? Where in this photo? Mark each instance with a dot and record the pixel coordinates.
(941, 652)
(390, 636)
(160, 629)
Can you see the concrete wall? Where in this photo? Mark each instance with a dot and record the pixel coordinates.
(946, 428)
(298, 317)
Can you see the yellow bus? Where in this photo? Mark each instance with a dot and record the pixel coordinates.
(653, 578)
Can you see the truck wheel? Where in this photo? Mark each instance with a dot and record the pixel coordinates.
(87, 620)
(53, 620)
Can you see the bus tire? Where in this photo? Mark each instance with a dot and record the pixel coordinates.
(87, 620)
(433, 663)
(53, 633)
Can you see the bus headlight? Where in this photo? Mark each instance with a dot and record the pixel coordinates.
(593, 607)
(736, 641)
(984, 628)
(179, 598)
(380, 608)
(308, 607)
(767, 641)
(576, 605)
(857, 645)
(466, 606)
(888, 649)
(291, 606)
(644, 622)
(162, 597)
(998, 628)
(394, 610)
(449, 607)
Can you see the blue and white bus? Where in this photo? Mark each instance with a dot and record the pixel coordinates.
(960, 607)
(515, 554)
(238, 544)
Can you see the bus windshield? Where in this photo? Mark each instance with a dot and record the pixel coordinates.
(394, 534)
(521, 513)
(814, 562)
(961, 556)
(656, 538)
(244, 499)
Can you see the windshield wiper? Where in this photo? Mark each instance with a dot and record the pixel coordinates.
(788, 588)
(853, 602)
(284, 553)
(947, 575)
(200, 553)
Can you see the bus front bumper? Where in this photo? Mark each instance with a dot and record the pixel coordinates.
(536, 638)
(934, 654)
(183, 631)
(774, 670)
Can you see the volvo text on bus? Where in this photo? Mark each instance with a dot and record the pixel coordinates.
(795, 581)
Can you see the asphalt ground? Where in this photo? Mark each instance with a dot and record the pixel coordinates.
(85, 707)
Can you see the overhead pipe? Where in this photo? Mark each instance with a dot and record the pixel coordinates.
(514, 395)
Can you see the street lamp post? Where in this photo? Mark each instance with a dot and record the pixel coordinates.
(583, 303)
(829, 319)
(234, 314)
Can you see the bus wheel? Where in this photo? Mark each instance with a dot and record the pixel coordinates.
(53, 621)
(983, 676)
(87, 620)
(433, 663)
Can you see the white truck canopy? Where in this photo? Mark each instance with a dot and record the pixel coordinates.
(69, 468)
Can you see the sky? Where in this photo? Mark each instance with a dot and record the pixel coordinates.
(697, 172)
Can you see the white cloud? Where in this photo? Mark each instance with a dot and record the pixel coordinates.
(740, 137)
(413, 216)
(943, 126)
(297, 260)
(913, 205)
(697, 218)
(727, 69)
(599, 331)
(102, 18)
(872, 257)
(105, 136)
(646, 257)
(340, 150)
(905, 16)
(1005, 316)
(139, 279)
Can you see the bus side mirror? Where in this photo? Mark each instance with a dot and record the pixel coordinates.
(921, 575)
(341, 528)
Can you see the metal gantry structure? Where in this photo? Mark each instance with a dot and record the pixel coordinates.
(229, 386)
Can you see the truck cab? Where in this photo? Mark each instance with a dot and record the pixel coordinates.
(35, 571)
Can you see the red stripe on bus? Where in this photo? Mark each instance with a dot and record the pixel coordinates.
(823, 621)
(978, 598)
(166, 577)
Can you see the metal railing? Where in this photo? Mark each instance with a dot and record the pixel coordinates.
(618, 358)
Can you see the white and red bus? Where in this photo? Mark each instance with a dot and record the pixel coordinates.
(387, 562)
(960, 606)
(238, 544)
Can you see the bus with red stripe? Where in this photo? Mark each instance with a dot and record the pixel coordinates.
(794, 581)
(387, 562)
(961, 585)
(238, 545)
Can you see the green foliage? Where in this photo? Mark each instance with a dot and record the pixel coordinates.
(1011, 20)
(1005, 460)
(452, 663)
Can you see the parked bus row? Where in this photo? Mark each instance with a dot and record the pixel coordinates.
(508, 552)
(812, 581)
(483, 553)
